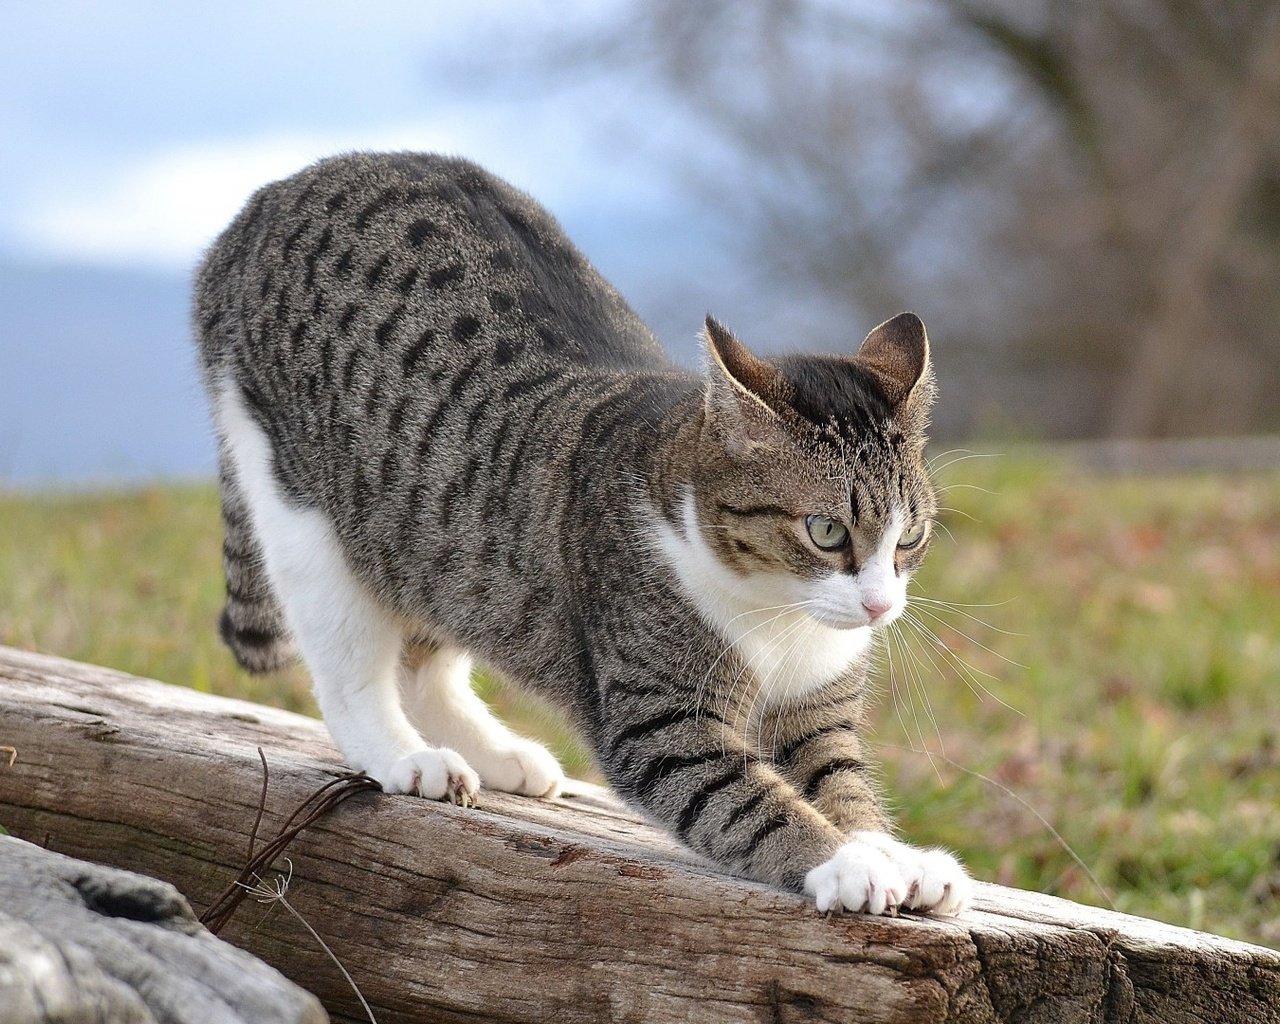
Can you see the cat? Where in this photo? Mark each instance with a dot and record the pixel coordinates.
(444, 437)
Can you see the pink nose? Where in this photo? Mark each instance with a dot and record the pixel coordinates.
(876, 608)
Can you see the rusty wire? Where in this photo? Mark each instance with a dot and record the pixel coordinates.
(307, 813)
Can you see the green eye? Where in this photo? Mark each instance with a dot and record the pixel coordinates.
(826, 532)
(913, 535)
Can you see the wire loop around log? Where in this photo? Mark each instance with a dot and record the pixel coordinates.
(311, 810)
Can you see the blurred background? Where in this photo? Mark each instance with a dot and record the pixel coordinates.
(1081, 200)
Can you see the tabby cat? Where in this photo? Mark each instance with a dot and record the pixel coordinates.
(444, 437)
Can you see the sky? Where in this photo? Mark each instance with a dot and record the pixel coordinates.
(131, 132)
(134, 131)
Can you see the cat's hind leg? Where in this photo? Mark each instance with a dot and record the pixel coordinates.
(349, 642)
(441, 703)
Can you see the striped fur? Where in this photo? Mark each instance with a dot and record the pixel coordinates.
(511, 470)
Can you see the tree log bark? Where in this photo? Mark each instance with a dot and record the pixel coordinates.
(571, 910)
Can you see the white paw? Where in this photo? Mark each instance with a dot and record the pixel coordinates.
(876, 874)
(526, 768)
(859, 878)
(936, 881)
(437, 774)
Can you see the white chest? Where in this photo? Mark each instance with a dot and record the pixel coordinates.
(790, 655)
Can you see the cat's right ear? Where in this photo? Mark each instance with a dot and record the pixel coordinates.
(743, 392)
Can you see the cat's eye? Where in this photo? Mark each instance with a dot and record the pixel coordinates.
(826, 532)
(913, 535)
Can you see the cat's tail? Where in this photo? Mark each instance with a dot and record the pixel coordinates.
(252, 623)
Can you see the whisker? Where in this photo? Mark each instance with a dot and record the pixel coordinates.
(786, 690)
(968, 673)
(1057, 836)
(893, 639)
(937, 618)
(769, 608)
(968, 454)
(903, 700)
(943, 526)
(950, 451)
(961, 604)
(956, 511)
(903, 650)
(946, 606)
(730, 644)
(744, 674)
(890, 636)
(923, 690)
(965, 487)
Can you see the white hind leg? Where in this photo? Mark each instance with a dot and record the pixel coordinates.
(441, 703)
(349, 642)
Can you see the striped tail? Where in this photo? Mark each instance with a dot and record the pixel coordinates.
(252, 623)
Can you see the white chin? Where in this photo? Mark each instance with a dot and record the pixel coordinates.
(834, 620)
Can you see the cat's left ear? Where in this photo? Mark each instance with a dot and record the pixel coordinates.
(897, 352)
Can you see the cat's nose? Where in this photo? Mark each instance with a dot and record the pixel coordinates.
(876, 607)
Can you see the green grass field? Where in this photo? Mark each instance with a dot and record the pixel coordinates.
(1109, 669)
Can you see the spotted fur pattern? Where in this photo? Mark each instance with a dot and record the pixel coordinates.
(509, 469)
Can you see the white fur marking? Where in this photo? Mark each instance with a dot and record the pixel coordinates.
(761, 615)
(349, 642)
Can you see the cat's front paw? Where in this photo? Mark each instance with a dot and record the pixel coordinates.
(435, 773)
(859, 878)
(876, 874)
(936, 882)
(526, 768)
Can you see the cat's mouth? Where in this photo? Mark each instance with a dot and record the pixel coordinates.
(874, 617)
(844, 620)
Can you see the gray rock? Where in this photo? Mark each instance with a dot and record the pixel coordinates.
(83, 944)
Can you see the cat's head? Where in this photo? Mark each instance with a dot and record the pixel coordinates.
(811, 484)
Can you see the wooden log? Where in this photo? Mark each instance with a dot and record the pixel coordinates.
(568, 911)
(82, 942)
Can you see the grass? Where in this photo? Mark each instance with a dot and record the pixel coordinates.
(1111, 666)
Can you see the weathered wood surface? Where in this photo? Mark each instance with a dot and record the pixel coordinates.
(562, 911)
(84, 943)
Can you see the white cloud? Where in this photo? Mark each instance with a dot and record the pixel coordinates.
(162, 209)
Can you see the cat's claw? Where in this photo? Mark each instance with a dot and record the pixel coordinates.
(436, 774)
(936, 881)
(876, 874)
(457, 793)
